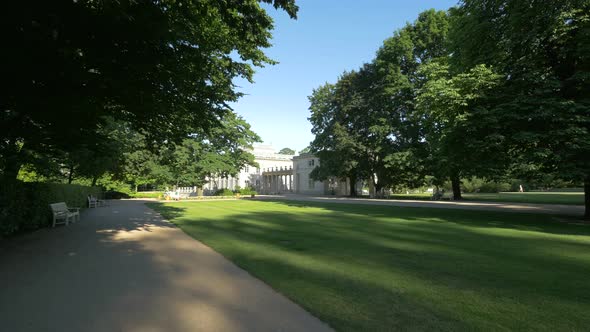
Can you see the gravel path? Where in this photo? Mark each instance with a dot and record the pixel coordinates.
(122, 268)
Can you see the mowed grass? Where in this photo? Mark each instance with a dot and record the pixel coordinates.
(380, 268)
(567, 198)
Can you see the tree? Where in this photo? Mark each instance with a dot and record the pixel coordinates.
(166, 67)
(457, 130)
(222, 152)
(542, 51)
(365, 126)
(332, 144)
(307, 149)
(287, 151)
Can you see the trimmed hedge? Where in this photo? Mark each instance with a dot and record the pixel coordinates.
(224, 192)
(24, 206)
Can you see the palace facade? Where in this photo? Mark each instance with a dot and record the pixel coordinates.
(279, 174)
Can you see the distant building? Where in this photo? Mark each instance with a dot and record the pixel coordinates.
(279, 173)
(249, 176)
(304, 184)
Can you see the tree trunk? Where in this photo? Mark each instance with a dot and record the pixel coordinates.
(587, 199)
(71, 175)
(372, 186)
(456, 184)
(378, 190)
(94, 179)
(352, 186)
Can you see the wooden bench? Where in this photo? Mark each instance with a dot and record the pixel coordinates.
(62, 212)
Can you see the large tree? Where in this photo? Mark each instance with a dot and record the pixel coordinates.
(166, 67)
(460, 136)
(334, 143)
(368, 123)
(542, 50)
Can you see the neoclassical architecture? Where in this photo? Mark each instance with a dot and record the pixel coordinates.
(249, 176)
(297, 179)
(279, 174)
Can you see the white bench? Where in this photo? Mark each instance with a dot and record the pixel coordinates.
(94, 202)
(62, 212)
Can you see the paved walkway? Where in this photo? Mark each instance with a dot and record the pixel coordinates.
(556, 209)
(122, 268)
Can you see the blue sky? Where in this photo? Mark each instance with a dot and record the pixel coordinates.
(329, 37)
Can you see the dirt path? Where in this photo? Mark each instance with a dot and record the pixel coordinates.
(122, 268)
(566, 210)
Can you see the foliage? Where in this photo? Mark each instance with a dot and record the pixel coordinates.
(364, 124)
(541, 49)
(25, 206)
(287, 151)
(167, 68)
(247, 191)
(307, 149)
(478, 185)
(461, 138)
(224, 192)
(222, 152)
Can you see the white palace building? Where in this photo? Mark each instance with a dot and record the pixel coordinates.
(279, 174)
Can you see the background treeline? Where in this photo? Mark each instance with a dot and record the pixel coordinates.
(121, 94)
(491, 89)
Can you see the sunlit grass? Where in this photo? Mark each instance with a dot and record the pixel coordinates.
(365, 267)
(568, 198)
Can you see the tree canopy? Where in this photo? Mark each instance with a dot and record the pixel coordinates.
(489, 89)
(288, 151)
(166, 68)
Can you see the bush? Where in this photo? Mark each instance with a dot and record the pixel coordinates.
(475, 185)
(25, 206)
(224, 192)
(113, 194)
(247, 191)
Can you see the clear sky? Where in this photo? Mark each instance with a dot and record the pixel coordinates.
(329, 37)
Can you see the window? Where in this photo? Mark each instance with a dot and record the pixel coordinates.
(311, 183)
(247, 169)
(311, 162)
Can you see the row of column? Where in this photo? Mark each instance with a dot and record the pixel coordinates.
(277, 183)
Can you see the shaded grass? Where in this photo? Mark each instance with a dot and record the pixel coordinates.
(366, 267)
(567, 198)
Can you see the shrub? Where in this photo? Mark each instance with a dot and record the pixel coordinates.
(224, 192)
(113, 194)
(475, 184)
(25, 206)
(247, 191)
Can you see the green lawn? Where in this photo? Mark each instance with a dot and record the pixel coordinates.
(361, 267)
(569, 198)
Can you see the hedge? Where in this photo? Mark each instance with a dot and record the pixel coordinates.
(24, 206)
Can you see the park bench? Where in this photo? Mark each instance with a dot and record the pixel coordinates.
(62, 212)
(94, 202)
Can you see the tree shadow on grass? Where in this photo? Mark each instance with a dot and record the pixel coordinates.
(449, 250)
(552, 224)
(168, 211)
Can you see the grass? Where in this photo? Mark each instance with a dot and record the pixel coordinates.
(382, 268)
(568, 198)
